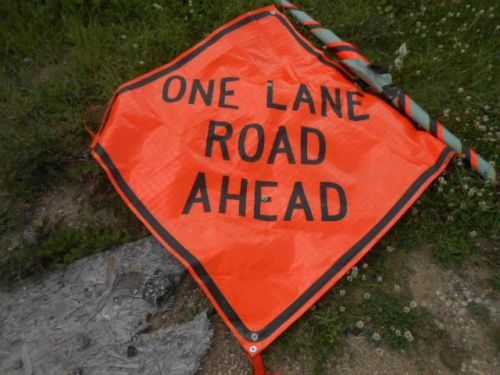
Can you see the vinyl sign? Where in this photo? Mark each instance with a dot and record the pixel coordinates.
(264, 168)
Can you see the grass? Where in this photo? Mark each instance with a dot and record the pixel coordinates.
(58, 248)
(62, 60)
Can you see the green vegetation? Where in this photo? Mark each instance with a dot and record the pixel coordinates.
(59, 248)
(62, 60)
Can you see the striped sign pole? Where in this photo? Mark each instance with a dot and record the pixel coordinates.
(380, 81)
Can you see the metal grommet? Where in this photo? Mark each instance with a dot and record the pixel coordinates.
(253, 349)
(254, 336)
(273, 12)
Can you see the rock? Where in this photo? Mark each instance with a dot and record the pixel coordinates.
(131, 351)
(452, 358)
(158, 288)
(355, 331)
(79, 320)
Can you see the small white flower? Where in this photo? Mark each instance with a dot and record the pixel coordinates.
(367, 296)
(460, 90)
(342, 292)
(342, 309)
(380, 279)
(406, 309)
(409, 336)
(376, 336)
(413, 304)
(472, 234)
(360, 324)
(354, 272)
(397, 332)
(401, 53)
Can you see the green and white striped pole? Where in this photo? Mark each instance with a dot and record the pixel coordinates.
(380, 81)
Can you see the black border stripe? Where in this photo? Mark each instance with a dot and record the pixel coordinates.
(190, 259)
(315, 26)
(433, 127)
(402, 102)
(344, 48)
(467, 155)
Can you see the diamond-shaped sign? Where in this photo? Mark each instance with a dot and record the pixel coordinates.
(261, 165)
